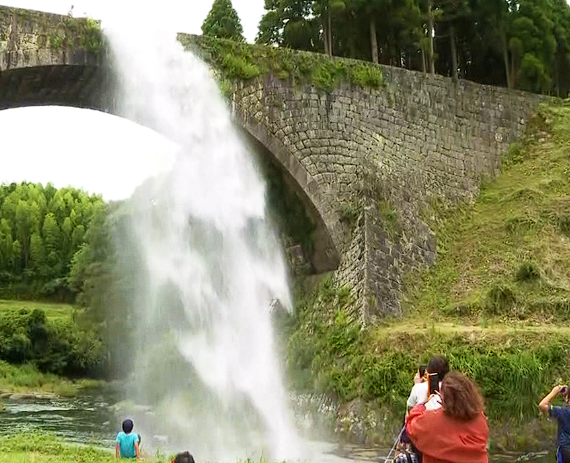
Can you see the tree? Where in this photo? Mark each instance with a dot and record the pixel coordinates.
(324, 10)
(223, 22)
(533, 45)
(289, 23)
(40, 231)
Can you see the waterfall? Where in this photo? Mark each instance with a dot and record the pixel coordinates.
(208, 264)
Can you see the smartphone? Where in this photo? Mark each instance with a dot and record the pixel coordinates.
(433, 383)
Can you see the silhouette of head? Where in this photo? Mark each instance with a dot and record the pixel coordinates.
(183, 457)
(128, 426)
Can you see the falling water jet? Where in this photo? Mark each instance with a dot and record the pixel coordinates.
(210, 265)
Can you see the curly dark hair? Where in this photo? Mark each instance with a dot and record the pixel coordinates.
(460, 397)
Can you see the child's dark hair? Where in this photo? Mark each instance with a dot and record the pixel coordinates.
(422, 370)
(183, 457)
(128, 426)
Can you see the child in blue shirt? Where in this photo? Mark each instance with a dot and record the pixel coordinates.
(127, 442)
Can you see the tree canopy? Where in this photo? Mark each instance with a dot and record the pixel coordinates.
(223, 22)
(41, 229)
(523, 44)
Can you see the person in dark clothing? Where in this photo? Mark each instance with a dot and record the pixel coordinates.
(562, 416)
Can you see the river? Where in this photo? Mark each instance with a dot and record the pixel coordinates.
(93, 419)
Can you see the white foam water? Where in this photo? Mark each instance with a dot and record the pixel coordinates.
(210, 264)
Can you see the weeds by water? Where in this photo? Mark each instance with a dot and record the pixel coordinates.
(46, 448)
(329, 351)
(28, 379)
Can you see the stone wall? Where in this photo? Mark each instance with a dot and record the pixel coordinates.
(386, 153)
(31, 38)
(50, 59)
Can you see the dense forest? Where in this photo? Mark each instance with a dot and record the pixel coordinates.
(520, 44)
(41, 230)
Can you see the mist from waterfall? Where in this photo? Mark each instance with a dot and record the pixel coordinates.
(208, 264)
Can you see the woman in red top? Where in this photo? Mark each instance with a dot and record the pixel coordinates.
(455, 433)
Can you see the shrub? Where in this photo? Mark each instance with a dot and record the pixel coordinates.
(515, 155)
(54, 346)
(349, 215)
(528, 271)
(500, 298)
(239, 67)
(367, 76)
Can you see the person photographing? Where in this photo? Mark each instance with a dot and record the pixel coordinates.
(420, 393)
(562, 416)
(455, 430)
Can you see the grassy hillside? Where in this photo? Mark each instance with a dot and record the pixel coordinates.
(496, 303)
(508, 256)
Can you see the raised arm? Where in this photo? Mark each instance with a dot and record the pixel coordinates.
(544, 403)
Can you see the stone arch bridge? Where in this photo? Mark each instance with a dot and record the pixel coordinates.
(364, 161)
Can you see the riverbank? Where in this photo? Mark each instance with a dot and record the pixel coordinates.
(39, 343)
(26, 380)
(46, 448)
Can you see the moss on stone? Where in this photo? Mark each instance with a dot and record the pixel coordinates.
(236, 60)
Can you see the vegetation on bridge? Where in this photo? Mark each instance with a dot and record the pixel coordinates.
(51, 30)
(237, 60)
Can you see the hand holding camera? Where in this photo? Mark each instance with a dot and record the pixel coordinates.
(433, 384)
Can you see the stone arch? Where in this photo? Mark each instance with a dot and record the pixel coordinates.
(86, 86)
(81, 86)
(326, 256)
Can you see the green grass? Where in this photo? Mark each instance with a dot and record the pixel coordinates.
(508, 255)
(53, 311)
(28, 379)
(236, 60)
(45, 448)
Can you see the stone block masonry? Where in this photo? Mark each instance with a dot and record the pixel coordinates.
(386, 153)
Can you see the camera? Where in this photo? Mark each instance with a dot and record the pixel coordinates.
(433, 383)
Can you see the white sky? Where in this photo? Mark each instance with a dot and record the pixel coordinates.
(187, 15)
(91, 150)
